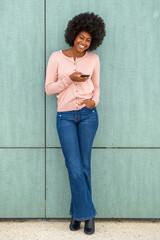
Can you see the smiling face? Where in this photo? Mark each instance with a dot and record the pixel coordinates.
(82, 41)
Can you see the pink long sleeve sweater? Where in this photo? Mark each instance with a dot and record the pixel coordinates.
(69, 93)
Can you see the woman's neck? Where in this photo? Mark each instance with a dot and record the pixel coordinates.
(76, 53)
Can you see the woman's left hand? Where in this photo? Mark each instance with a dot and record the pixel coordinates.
(89, 103)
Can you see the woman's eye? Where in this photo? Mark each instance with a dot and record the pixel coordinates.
(88, 40)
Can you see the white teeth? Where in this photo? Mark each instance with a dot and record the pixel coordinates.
(81, 46)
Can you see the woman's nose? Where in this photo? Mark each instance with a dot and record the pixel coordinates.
(84, 42)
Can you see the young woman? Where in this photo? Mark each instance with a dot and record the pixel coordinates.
(73, 75)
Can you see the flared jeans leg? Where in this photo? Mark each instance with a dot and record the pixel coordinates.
(76, 130)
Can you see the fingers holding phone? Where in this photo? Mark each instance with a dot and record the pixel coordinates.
(78, 77)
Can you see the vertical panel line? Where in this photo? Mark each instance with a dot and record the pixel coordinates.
(45, 97)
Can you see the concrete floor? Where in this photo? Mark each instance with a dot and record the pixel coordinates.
(59, 230)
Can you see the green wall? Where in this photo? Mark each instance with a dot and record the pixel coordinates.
(126, 151)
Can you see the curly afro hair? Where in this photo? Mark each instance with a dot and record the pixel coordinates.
(88, 22)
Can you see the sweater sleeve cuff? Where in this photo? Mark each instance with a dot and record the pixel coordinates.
(96, 101)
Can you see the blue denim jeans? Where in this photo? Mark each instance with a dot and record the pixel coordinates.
(76, 130)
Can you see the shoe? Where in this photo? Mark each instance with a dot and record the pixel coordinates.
(74, 224)
(89, 227)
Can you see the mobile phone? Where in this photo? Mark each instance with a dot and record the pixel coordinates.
(85, 75)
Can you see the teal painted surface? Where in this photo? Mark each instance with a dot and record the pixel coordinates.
(125, 183)
(22, 188)
(57, 191)
(22, 73)
(130, 60)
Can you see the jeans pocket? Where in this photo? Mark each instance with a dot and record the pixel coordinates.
(90, 108)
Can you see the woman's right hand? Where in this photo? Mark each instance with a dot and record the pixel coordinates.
(76, 77)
